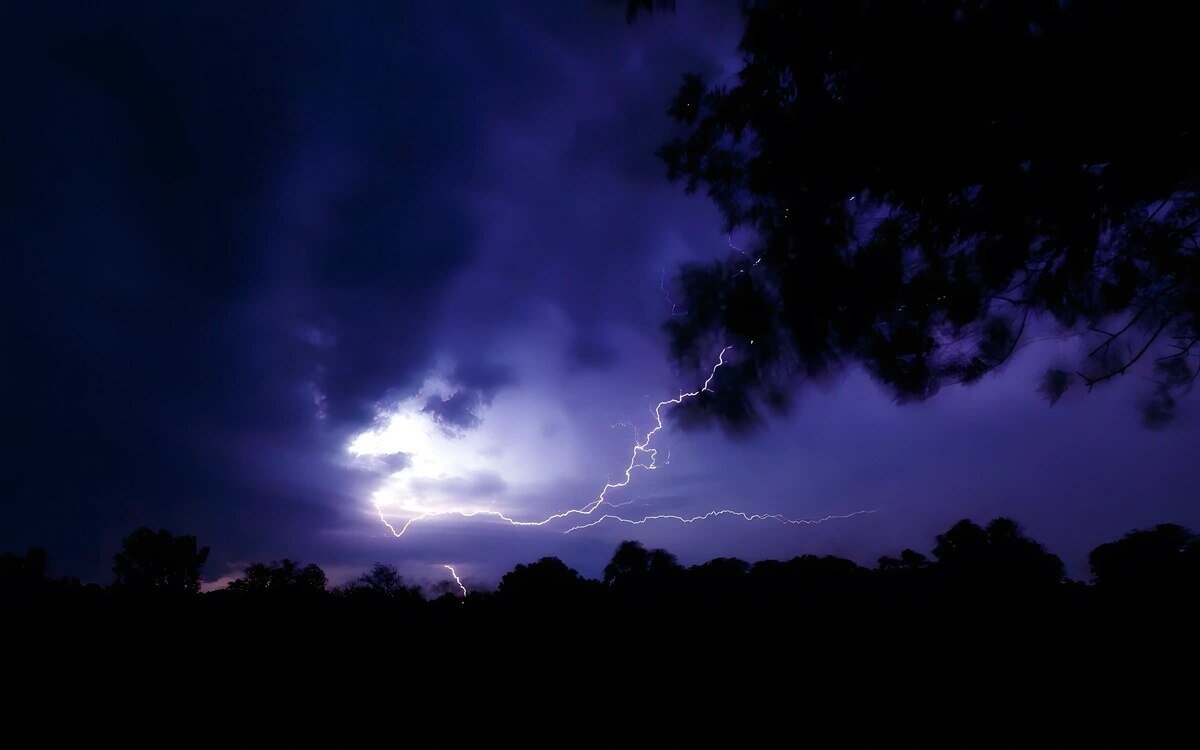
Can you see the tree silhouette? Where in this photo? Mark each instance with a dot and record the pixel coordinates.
(283, 578)
(1166, 557)
(629, 561)
(632, 565)
(663, 564)
(999, 554)
(908, 560)
(382, 578)
(988, 623)
(720, 569)
(158, 562)
(547, 580)
(382, 583)
(805, 572)
(719, 580)
(925, 182)
(23, 570)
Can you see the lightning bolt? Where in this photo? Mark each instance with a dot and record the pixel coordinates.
(642, 456)
(641, 450)
(456, 579)
(715, 513)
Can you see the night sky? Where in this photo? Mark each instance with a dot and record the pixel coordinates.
(238, 237)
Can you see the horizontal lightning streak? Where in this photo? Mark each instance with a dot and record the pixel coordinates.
(714, 513)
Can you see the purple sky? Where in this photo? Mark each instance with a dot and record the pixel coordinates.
(245, 235)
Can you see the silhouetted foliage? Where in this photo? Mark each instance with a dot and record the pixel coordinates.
(158, 562)
(663, 564)
(1166, 557)
(926, 181)
(987, 624)
(283, 578)
(720, 569)
(633, 567)
(383, 583)
(630, 560)
(908, 560)
(23, 571)
(806, 575)
(547, 580)
(999, 554)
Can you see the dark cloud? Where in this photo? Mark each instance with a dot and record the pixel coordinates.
(592, 351)
(475, 386)
(228, 230)
(457, 412)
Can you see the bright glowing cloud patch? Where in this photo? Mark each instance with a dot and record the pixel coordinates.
(448, 449)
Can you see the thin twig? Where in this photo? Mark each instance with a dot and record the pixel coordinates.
(1089, 382)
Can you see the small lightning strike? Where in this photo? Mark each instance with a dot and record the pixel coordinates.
(729, 241)
(457, 579)
(662, 285)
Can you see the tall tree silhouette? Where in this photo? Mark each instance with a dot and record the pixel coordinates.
(547, 580)
(632, 565)
(382, 583)
(629, 561)
(158, 562)
(998, 554)
(925, 182)
(1165, 557)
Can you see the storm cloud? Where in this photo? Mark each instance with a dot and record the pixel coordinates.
(240, 236)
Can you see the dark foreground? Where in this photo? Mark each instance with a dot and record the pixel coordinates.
(988, 645)
(831, 667)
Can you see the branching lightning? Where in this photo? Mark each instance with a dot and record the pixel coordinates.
(642, 456)
(637, 460)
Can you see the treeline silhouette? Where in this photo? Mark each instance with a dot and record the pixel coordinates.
(990, 629)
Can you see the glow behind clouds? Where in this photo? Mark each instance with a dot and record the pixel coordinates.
(427, 467)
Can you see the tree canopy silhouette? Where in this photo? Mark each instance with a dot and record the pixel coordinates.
(23, 570)
(632, 565)
(987, 617)
(548, 579)
(158, 562)
(926, 182)
(998, 554)
(909, 560)
(1165, 557)
(383, 583)
(283, 578)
